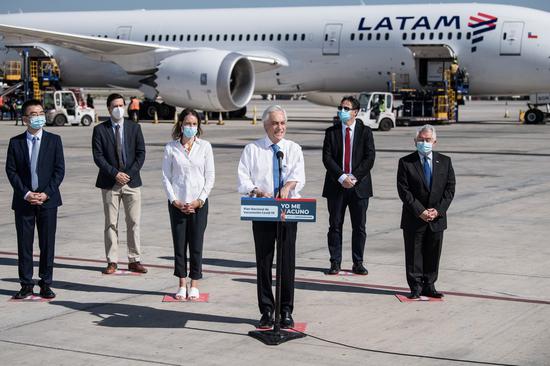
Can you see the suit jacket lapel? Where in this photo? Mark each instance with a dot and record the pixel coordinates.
(111, 132)
(42, 150)
(357, 133)
(25, 149)
(420, 169)
(339, 147)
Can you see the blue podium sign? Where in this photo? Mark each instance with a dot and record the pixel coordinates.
(269, 209)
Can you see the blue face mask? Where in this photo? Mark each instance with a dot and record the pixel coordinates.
(37, 122)
(189, 131)
(344, 116)
(423, 147)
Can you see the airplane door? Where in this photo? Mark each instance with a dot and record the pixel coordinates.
(510, 41)
(124, 32)
(331, 40)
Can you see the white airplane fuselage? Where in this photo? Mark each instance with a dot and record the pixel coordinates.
(509, 55)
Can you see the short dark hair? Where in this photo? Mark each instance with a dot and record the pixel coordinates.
(176, 131)
(30, 103)
(112, 97)
(354, 102)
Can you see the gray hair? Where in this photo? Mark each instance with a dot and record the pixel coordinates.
(271, 109)
(419, 130)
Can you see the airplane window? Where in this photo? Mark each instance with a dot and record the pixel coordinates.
(146, 38)
(255, 37)
(167, 38)
(459, 35)
(326, 37)
(422, 36)
(240, 37)
(210, 38)
(504, 35)
(105, 36)
(287, 37)
(174, 38)
(413, 36)
(196, 37)
(303, 36)
(431, 35)
(440, 35)
(468, 35)
(188, 38)
(248, 37)
(361, 36)
(279, 37)
(263, 37)
(203, 37)
(271, 37)
(387, 36)
(369, 36)
(153, 38)
(160, 37)
(404, 36)
(295, 37)
(181, 37)
(351, 37)
(225, 37)
(377, 36)
(217, 37)
(450, 36)
(117, 37)
(232, 37)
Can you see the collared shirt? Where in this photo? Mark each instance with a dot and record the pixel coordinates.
(187, 176)
(352, 130)
(29, 145)
(430, 161)
(121, 131)
(256, 166)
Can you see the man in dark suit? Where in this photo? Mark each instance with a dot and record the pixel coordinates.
(119, 152)
(35, 167)
(348, 156)
(426, 185)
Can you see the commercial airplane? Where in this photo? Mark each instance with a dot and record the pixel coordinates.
(215, 59)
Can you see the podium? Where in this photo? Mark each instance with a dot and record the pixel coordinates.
(277, 210)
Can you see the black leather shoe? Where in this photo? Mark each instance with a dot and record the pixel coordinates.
(334, 268)
(415, 295)
(26, 291)
(432, 293)
(286, 320)
(359, 268)
(46, 292)
(266, 321)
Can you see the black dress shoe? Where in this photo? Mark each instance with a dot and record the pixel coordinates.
(266, 321)
(415, 295)
(46, 292)
(286, 320)
(432, 293)
(334, 268)
(26, 291)
(359, 268)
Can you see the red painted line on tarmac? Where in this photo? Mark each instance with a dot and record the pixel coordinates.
(328, 282)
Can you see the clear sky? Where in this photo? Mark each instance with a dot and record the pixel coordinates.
(72, 5)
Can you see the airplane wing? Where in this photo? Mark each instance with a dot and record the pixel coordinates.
(123, 52)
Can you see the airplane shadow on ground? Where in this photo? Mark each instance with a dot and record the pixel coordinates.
(84, 287)
(13, 262)
(138, 316)
(312, 286)
(221, 262)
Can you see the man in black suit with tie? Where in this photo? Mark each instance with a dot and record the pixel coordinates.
(426, 185)
(119, 153)
(35, 167)
(348, 156)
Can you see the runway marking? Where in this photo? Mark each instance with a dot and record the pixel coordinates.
(320, 281)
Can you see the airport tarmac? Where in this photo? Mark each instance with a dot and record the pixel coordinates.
(494, 266)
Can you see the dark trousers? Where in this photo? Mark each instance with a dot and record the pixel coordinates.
(188, 230)
(422, 253)
(265, 235)
(358, 215)
(46, 224)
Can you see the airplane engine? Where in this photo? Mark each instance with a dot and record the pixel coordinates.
(211, 80)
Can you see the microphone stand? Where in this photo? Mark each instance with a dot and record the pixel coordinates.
(276, 336)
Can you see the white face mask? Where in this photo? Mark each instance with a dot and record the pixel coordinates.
(117, 113)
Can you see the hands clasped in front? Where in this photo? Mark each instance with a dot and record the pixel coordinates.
(122, 178)
(429, 214)
(349, 182)
(186, 208)
(37, 198)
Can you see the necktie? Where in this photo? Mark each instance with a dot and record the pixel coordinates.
(276, 178)
(34, 160)
(427, 172)
(119, 148)
(347, 152)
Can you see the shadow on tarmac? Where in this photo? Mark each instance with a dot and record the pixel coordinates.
(221, 262)
(13, 262)
(138, 316)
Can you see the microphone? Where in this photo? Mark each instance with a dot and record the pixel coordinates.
(280, 156)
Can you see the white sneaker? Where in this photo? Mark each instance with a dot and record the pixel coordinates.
(194, 293)
(181, 294)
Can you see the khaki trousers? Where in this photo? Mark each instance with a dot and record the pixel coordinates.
(131, 199)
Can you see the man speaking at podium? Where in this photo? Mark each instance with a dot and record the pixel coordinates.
(258, 176)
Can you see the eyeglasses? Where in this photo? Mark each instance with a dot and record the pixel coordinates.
(347, 109)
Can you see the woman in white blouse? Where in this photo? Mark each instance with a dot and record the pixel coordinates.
(188, 177)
